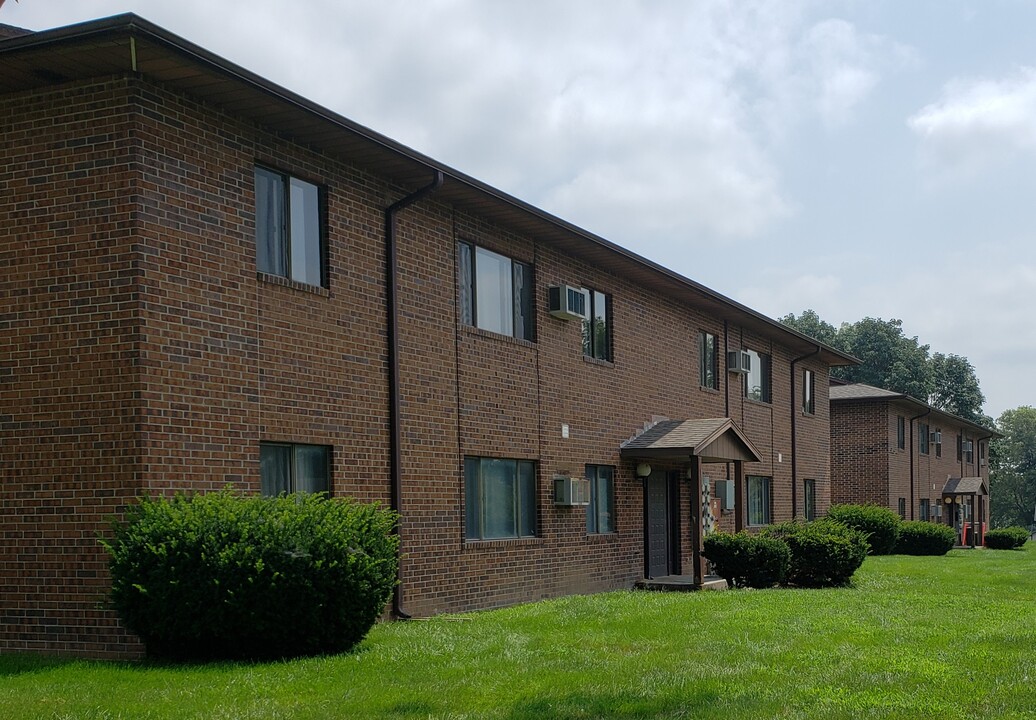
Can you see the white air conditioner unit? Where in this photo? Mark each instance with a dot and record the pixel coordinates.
(724, 491)
(570, 491)
(937, 510)
(567, 302)
(739, 361)
(935, 437)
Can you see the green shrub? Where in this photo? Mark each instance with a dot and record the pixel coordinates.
(879, 524)
(925, 538)
(824, 553)
(1007, 538)
(745, 560)
(221, 575)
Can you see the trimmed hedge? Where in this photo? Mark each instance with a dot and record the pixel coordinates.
(917, 537)
(824, 553)
(1008, 538)
(224, 576)
(879, 524)
(745, 560)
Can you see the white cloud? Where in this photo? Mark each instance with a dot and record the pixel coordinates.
(978, 124)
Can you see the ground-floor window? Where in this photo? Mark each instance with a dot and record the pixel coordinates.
(600, 513)
(500, 498)
(758, 500)
(290, 467)
(902, 508)
(809, 499)
(923, 512)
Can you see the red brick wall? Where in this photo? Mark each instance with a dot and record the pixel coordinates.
(70, 329)
(149, 355)
(860, 448)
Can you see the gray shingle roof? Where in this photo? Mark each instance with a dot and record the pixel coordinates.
(965, 486)
(860, 391)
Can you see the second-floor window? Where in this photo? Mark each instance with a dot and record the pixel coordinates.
(597, 328)
(289, 235)
(809, 400)
(923, 440)
(757, 380)
(708, 361)
(495, 292)
(900, 432)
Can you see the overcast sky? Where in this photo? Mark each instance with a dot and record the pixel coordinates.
(861, 158)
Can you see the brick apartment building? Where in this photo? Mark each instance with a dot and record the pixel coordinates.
(893, 450)
(208, 280)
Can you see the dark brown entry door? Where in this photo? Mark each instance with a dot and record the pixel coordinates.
(657, 539)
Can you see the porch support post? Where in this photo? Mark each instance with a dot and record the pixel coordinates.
(739, 495)
(697, 518)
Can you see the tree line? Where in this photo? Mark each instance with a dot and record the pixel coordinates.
(948, 382)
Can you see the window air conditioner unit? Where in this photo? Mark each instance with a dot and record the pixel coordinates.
(571, 491)
(935, 437)
(739, 361)
(724, 491)
(566, 302)
(937, 510)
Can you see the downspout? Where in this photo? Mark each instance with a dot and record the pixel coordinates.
(912, 482)
(395, 431)
(794, 435)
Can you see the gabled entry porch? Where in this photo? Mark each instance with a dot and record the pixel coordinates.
(965, 500)
(678, 449)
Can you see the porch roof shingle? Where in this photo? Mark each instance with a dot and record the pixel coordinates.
(712, 439)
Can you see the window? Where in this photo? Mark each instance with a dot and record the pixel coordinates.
(969, 451)
(495, 292)
(982, 453)
(597, 328)
(600, 513)
(708, 361)
(809, 403)
(290, 468)
(960, 448)
(938, 442)
(923, 443)
(809, 499)
(758, 500)
(900, 432)
(289, 234)
(757, 380)
(924, 511)
(500, 498)
(902, 508)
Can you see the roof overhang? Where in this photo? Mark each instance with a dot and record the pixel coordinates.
(965, 486)
(711, 439)
(129, 44)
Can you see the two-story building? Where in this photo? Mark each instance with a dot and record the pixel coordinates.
(899, 452)
(207, 280)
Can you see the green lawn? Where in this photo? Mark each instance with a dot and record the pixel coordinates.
(945, 637)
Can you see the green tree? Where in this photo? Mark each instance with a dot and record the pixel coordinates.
(956, 388)
(1012, 477)
(893, 361)
(889, 359)
(809, 323)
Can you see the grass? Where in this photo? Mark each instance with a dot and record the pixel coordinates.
(943, 637)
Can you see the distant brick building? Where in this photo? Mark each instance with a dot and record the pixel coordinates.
(893, 450)
(208, 280)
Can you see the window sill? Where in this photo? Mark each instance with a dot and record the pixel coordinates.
(760, 403)
(293, 284)
(489, 334)
(612, 536)
(706, 388)
(501, 543)
(596, 361)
